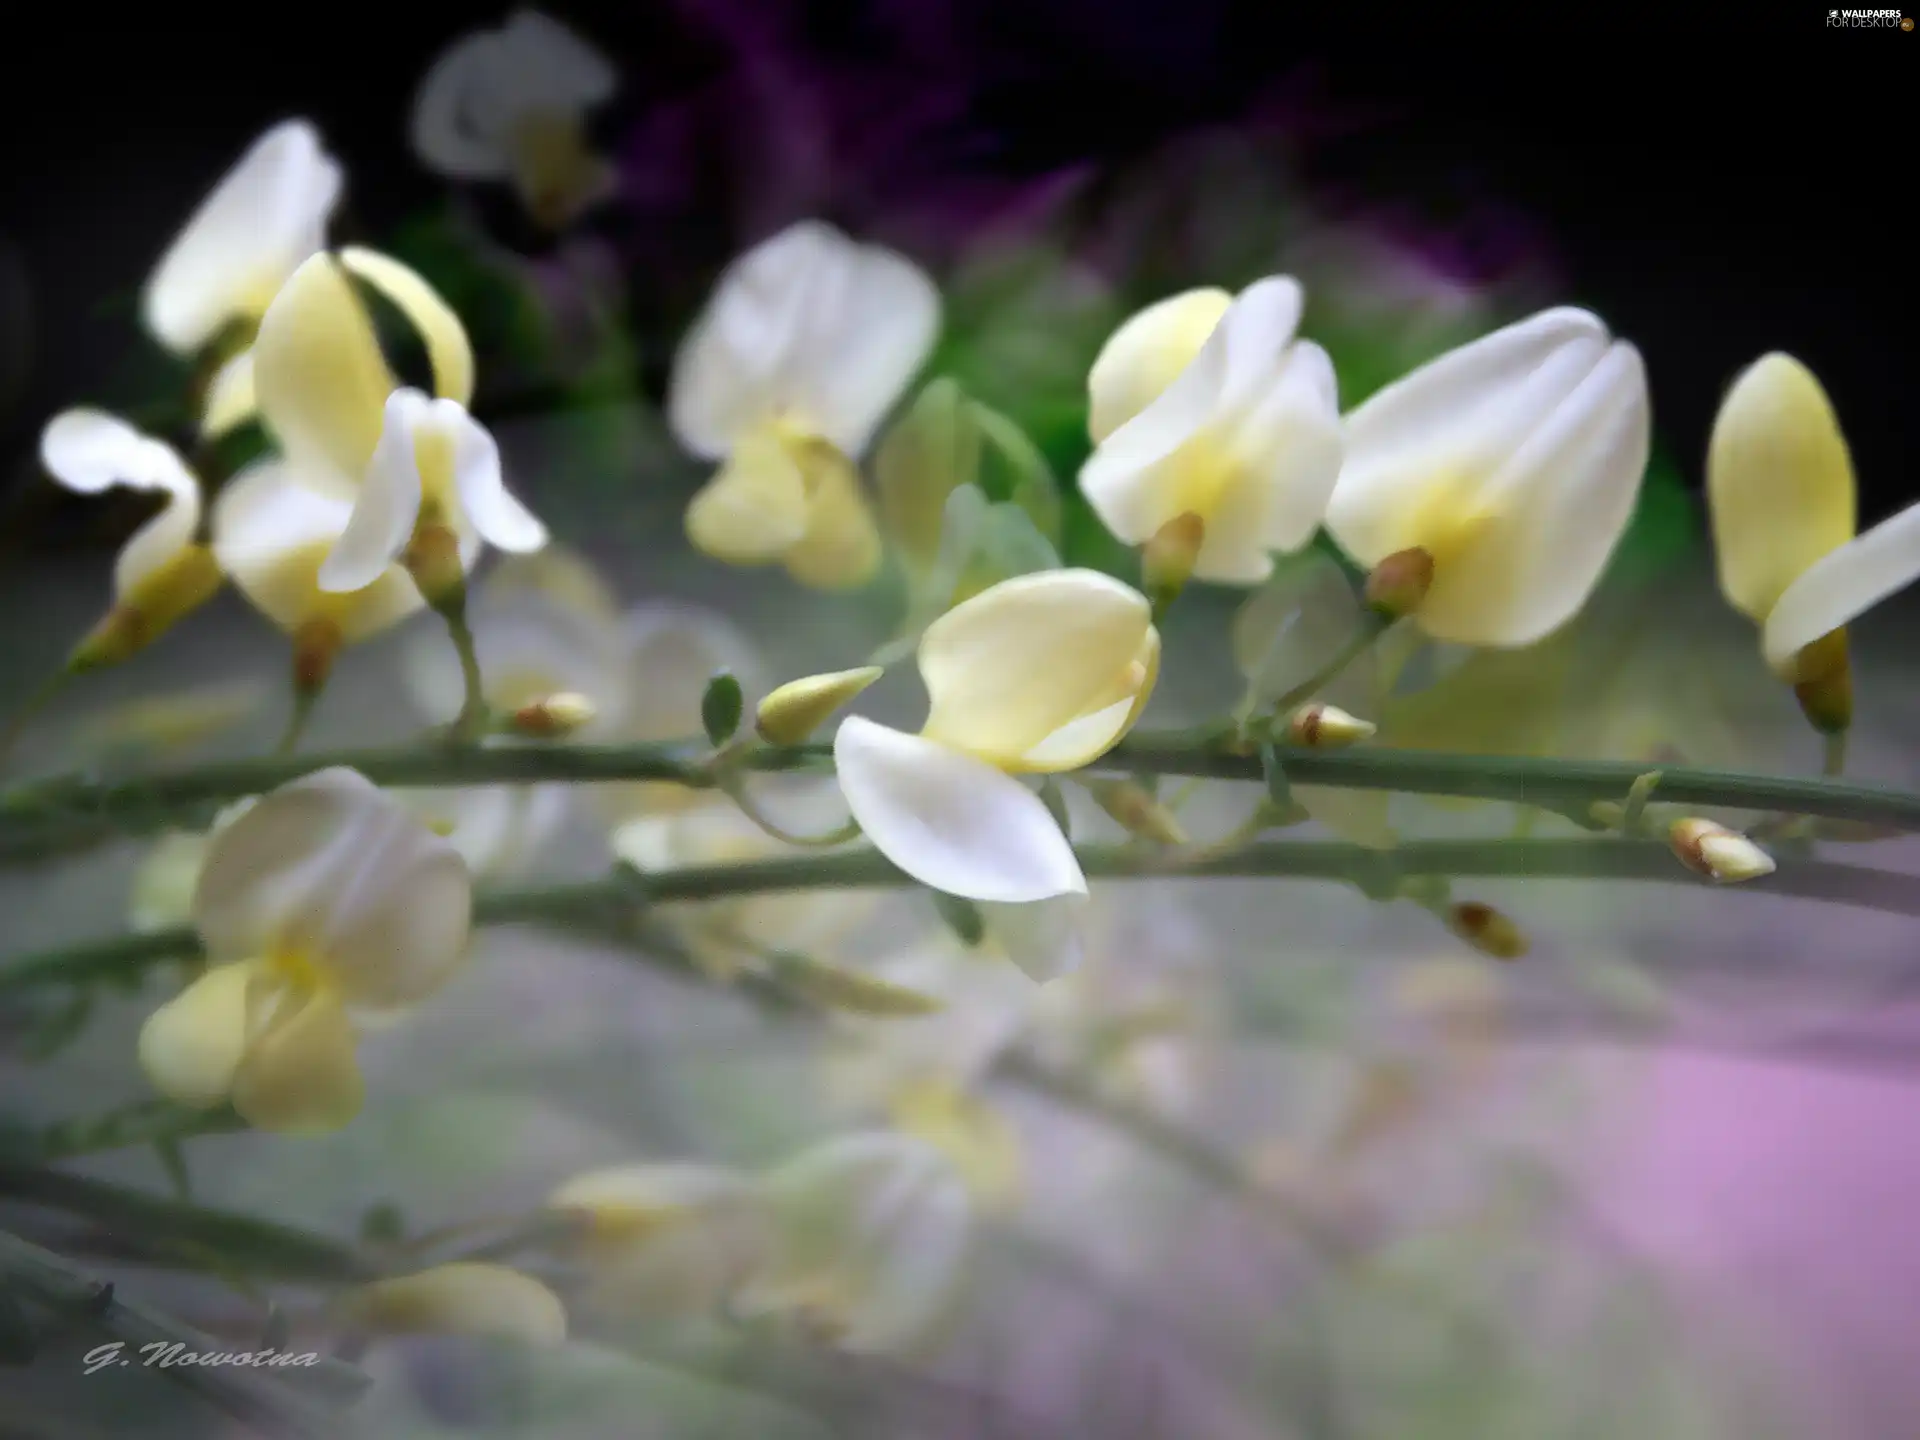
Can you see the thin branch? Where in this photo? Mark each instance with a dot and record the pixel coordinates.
(1565, 785)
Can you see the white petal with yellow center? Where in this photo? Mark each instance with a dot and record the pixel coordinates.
(1146, 354)
(1780, 485)
(807, 327)
(191, 1046)
(299, 1075)
(318, 373)
(265, 216)
(951, 821)
(273, 528)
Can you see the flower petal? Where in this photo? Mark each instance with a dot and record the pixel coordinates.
(388, 505)
(192, 1045)
(755, 509)
(1290, 445)
(90, 451)
(841, 548)
(300, 1076)
(951, 821)
(230, 401)
(449, 351)
(1780, 484)
(810, 324)
(1143, 357)
(1561, 504)
(445, 129)
(1042, 937)
(1011, 666)
(272, 533)
(265, 216)
(318, 371)
(464, 1297)
(503, 522)
(1456, 419)
(1844, 584)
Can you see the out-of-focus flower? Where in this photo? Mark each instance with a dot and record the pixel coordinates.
(871, 1233)
(723, 932)
(664, 1242)
(1509, 467)
(163, 572)
(325, 897)
(168, 874)
(499, 830)
(807, 342)
(1781, 487)
(158, 725)
(1040, 674)
(1205, 404)
(510, 104)
(264, 218)
(463, 1298)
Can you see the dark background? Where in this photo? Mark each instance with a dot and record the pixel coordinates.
(1714, 187)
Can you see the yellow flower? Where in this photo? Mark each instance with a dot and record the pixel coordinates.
(1039, 674)
(1511, 465)
(463, 1298)
(1206, 405)
(323, 898)
(808, 341)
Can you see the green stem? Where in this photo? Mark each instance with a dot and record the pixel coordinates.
(303, 702)
(37, 700)
(598, 902)
(1371, 627)
(472, 721)
(1834, 755)
(1549, 783)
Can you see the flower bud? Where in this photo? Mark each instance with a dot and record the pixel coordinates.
(1487, 930)
(150, 609)
(553, 718)
(1396, 586)
(1167, 559)
(464, 1298)
(799, 707)
(315, 643)
(1326, 727)
(1722, 855)
(1137, 811)
(432, 557)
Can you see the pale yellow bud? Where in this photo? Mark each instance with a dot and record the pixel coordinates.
(464, 1298)
(554, 717)
(1487, 930)
(1138, 811)
(432, 557)
(1326, 727)
(799, 707)
(150, 609)
(1722, 855)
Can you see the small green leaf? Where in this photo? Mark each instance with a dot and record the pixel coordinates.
(722, 707)
(962, 917)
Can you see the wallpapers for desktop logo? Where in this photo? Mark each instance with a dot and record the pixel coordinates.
(1867, 20)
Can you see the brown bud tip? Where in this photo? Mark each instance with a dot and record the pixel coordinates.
(1326, 727)
(1167, 559)
(1724, 856)
(554, 717)
(1822, 676)
(1487, 930)
(315, 644)
(432, 557)
(1399, 583)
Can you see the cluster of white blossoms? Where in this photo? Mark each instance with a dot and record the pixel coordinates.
(1480, 497)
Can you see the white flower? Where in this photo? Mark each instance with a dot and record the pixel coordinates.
(1781, 487)
(162, 572)
(267, 215)
(1513, 462)
(1206, 404)
(325, 897)
(1038, 674)
(315, 536)
(871, 1234)
(807, 342)
(509, 103)
(665, 1241)
(499, 830)
(163, 885)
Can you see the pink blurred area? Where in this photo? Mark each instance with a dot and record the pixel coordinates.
(1784, 1199)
